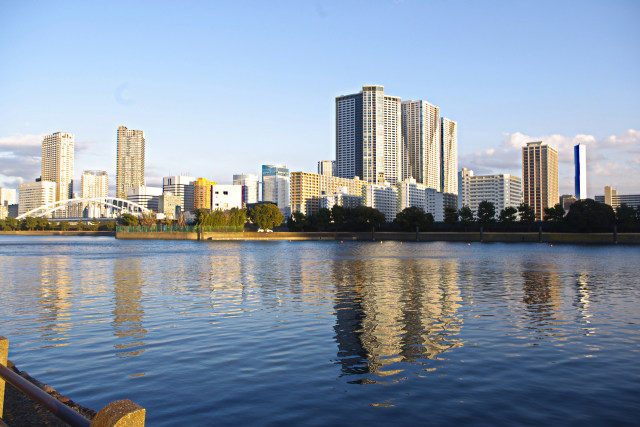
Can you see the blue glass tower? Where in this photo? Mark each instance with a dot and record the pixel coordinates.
(580, 160)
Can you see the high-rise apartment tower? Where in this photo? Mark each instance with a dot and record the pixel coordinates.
(421, 143)
(540, 177)
(94, 184)
(130, 161)
(57, 163)
(448, 156)
(368, 139)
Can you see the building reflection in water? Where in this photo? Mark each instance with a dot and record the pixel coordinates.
(395, 310)
(583, 301)
(542, 298)
(55, 300)
(128, 313)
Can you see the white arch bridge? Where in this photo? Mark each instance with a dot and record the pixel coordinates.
(119, 205)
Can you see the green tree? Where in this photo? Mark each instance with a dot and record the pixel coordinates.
(94, 225)
(80, 225)
(363, 218)
(588, 216)
(298, 222)
(237, 217)
(147, 219)
(128, 220)
(29, 223)
(625, 215)
(217, 218)
(11, 223)
(64, 225)
(527, 213)
(555, 214)
(201, 215)
(466, 215)
(451, 215)
(486, 212)
(508, 215)
(267, 216)
(338, 216)
(321, 220)
(413, 217)
(42, 223)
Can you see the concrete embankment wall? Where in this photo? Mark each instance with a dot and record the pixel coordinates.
(487, 237)
(56, 233)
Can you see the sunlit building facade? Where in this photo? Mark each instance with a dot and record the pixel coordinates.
(448, 156)
(383, 197)
(181, 186)
(540, 177)
(275, 185)
(130, 160)
(502, 190)
(580, 162)
(307, 188)
(250, 187)
(57, 163)
(202, 193)
(368, 138)
(32, 195)
(421, 143)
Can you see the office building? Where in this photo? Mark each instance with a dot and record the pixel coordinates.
(448, 156)
(57, 163)
(182, 187)
(613, 199)
(202, 193)
(250, 185)
(8, 196)
(32, 195)
(4, 211)
(94, 184)
(580, 161)
(145, 196)
(421, 143)
(326, 167)
(225, 197)
(368, 138)
(130, 161)
(540, 177)
(275, 185)
(170, 205)
(383, 197)
(502, 190)
(307, 188)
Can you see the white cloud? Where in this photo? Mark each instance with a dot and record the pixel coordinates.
(612, 160)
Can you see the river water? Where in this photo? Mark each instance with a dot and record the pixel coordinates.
(329, 333)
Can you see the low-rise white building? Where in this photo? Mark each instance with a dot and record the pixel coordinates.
(382, 197)
(502, 190)
(340, 198)
(226, 197)
(32, 195)
(414, 194)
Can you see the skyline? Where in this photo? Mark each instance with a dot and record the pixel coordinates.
(243, 88)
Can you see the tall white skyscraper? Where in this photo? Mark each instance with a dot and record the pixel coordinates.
(448, 156)
(275, 185)
(421, 143)
(368, 139)
(250, 186)
(57, 163)
(94, 184)
(580, 160)
(130, 161)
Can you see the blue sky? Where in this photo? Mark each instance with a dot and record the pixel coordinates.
(224, 87)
